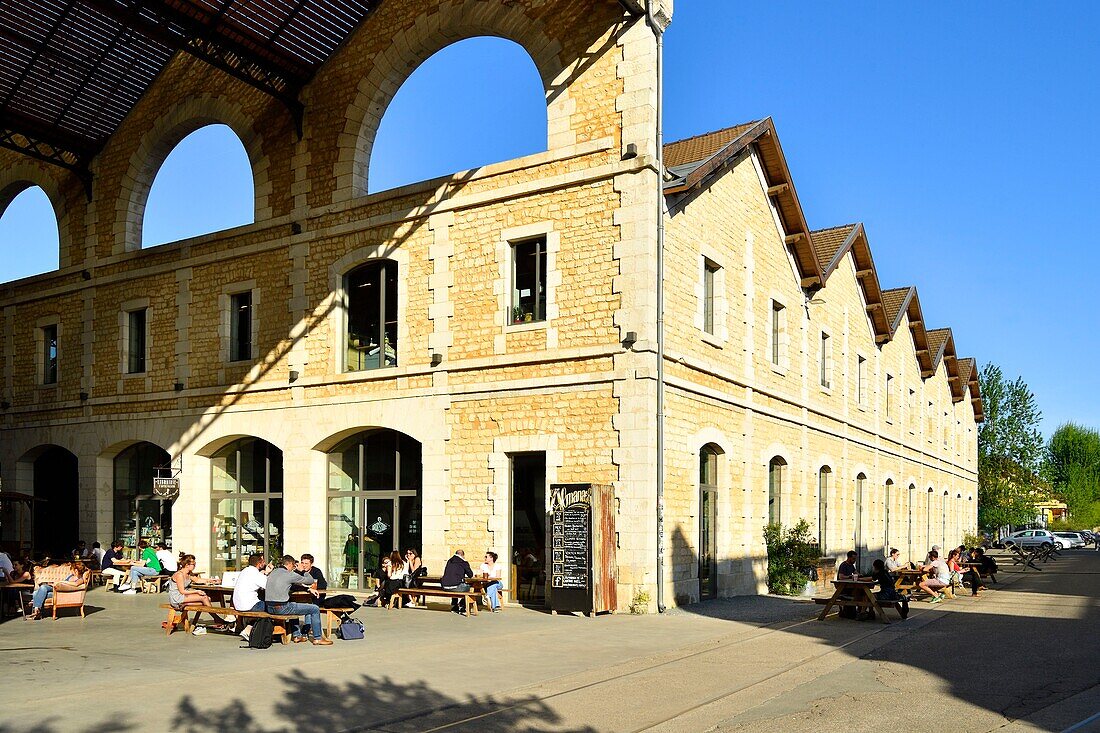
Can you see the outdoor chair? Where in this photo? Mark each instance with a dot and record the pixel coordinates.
(64, 596)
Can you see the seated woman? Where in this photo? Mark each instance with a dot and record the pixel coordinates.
(394, 568)
(21, 572)
(887, 591)
(490, 569)
(179, 587)
(76, 580)
(414, 571)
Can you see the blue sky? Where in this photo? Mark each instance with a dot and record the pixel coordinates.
(963, 135)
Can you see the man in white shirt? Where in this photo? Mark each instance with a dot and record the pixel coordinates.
(246, 592)
(6, 568)
(168, 561)
(98, 553)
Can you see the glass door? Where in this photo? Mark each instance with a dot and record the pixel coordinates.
(708, 523)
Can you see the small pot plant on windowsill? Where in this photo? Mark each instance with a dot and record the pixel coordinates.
(519, 315)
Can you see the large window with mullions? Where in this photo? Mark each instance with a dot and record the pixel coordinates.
(247, 495)
(371, 316)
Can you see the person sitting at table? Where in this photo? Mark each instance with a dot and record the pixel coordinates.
(954, 564)
(5, 565)
(107, 564)
(490, 569)
(306, 567)
(147, 566)
(179, 587)
(168, 563)
(887, 591)
(20, 572)
(939, 579)
(81, 551)
(277, 601)
(97, 554)
(848, 569)
(76, 580)
(394, 577)
(454, 578)
(893, 561)
(250, 583)
(928, 557)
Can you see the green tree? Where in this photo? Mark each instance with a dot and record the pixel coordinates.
(1010, 451)
(1073, 470)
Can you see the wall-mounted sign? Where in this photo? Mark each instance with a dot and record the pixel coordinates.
(166, 488)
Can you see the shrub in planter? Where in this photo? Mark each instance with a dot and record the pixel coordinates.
(792, 555)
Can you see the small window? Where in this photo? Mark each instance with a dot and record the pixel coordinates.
(372, 316)
(826, 359)
(240, 326)
(710, 277)
(529, 281)
(778, 325)
(861, 380)
(135, 341)
(49, 354)
(889, 395)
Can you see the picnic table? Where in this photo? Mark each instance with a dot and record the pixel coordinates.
(908, 579)
(857, 593)
(222, 595)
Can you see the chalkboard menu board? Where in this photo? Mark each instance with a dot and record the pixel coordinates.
(578, 513)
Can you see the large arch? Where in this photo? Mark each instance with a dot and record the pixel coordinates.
(186, 116)
(136, 513)
(17, 178)
(246, 496)
(430, 33)
(55, 484)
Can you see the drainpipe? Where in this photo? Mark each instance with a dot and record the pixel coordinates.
(658, 32)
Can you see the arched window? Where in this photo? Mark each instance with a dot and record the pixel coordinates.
(928, 519)
(823, 476)
(708, 521)
(888, 498)
(374, 503)
(204, 185)
(943, 520)
(488, 104)
(372, 315)
(911, 508)
(28, 233)
(246, 485)
(138, 513)
(861, 482)
(775, 490)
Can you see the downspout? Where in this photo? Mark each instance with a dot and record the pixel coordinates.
(659, 33)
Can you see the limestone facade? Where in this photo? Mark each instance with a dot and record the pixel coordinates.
(472, 387)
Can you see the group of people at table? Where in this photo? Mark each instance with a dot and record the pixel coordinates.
(937, 574)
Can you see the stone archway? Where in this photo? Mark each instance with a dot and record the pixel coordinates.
(55, 481)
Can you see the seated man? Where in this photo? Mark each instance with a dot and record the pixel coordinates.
(278, 601)
(147, 566)
(306, 567)
(107, 565)
(97, 554)
(454, 578)
(169, 563)
(246, 592)
(848, 569)
(939, 579)
(893, 561)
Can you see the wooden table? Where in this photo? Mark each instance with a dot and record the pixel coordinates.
(861, 597)
(908, 579)
(18, 588)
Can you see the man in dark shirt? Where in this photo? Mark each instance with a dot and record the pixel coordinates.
(306, 567)
(109, 557)
(848, 569)
(454, 578)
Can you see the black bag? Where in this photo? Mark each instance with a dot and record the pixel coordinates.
(351, 629)
(263, 632)
(342, 600)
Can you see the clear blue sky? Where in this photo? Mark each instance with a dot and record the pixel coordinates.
(964, 136)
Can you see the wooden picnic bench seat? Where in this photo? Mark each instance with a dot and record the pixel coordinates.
(153, 583)
(179, 615)
(471, 596)
(1026, 559)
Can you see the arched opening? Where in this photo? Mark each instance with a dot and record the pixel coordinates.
(928, 519)
(943, 520)
(29, 236)
(372, 319)
(708, 521)
(374, 503)
(824, 476)
(56, 510)
(138, 513)
(475, 102)
(888, 498)
(246, 484)
(911, 509)
(776, 467)
(204, 185)
(857, 538)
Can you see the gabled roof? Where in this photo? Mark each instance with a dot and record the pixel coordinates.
(942, 345)
(968, 373)
(832, 246)
(714, 150)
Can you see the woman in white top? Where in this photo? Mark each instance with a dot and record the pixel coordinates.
(394, 571)
(490, 569)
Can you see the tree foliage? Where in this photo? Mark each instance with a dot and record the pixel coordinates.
(1010, 451)
(1073, 470)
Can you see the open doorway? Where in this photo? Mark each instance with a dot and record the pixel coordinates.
(528, 550)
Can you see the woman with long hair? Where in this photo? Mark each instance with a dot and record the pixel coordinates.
(76, 579)
(179, 587)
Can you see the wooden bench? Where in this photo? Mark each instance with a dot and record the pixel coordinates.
(857, 603)
(861, 596)
(1026, 559)
(153, 583)
(471, 596)
(331, 614)
(179, 615)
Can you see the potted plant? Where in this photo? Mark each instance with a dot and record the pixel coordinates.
(517, 314)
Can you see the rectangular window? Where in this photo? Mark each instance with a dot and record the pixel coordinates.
(372, 316)
(889, 393)
(240, 326)
(49, 354)
(529, 281)
(135, 341)
(710, 277)
(861, 380)
(825, 381)
(778, 318)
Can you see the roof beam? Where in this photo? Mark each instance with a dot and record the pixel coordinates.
(180, 31)
(778, 189)
(794, 238)
(25, 135)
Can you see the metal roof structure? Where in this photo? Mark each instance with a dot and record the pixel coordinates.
(71, 70)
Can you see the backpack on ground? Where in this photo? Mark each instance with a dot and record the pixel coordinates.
(263, 632)
(351, 628)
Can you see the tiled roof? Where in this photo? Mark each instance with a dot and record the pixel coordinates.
(827, 242)
(936, 339)
(966, 370)
(701, 147)
(893, 300)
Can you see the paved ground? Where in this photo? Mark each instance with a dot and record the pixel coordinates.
(1021, 658)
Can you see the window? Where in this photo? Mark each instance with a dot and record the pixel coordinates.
(888, 497)
(889, 395)
(826, 361)
(710, 278)
(529, 280)
(779, 322)
(775, 489)
(240, 326)
(247, 503)
(708, 521)
(372, 316)
(49, 354)
(912, 407)
(136, 323)
(861, 380)
(823, 508)
(861, 481)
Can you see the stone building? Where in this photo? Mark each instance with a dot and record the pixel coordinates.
(355, 373)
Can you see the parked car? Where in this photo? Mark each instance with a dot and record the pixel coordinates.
(1031, 538)
(1070, 540)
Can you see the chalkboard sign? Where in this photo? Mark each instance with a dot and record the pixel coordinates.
(579, 572)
